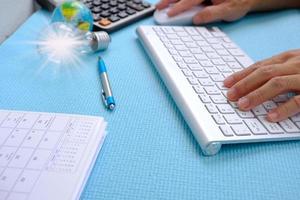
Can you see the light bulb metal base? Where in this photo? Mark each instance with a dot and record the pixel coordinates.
(100, 41)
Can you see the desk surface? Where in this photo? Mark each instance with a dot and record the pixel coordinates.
(150, 152)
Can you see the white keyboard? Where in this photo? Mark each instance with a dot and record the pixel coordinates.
(193, 62)
(41, 153)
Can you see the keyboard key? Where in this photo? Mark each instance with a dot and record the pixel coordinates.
(256, 126)
(259, 110)
(223, 68)
(296, 118)
(201, 56)
(196, 51)
(212, 90)
(269, 105)
(225, 109)
(211, 108)
(244, 114)
(219, 99)
(196, 67)
(233, 119)
(234, 65)
(193, 81)
(206, 82)
(244, 61)
(281, 98)
(218, 119)
(204, 98)
(187, 72)
(298, 124)
(217, 77)
(190, 60)
(198, 89)
(289, 126)
(204, 32)
(226, 130)
(241, 130)
(228, 58)
(273, 128)
(212, 70)
(200, 74)
(236, 52)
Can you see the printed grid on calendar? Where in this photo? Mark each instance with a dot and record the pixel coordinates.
(31, 143)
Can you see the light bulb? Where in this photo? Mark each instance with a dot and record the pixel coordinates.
(62, 42)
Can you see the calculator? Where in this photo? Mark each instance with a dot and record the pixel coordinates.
(111, 15)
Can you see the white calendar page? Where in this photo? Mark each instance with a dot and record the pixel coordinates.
(46, 155)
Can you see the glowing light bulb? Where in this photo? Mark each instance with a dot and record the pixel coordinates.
(63, 43)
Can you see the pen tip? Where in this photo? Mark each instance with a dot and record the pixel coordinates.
(111, 106)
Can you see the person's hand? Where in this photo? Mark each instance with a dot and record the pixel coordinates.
(227, 10)
(267, 79)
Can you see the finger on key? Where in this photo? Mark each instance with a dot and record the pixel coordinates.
(285, 110)
(164, 3)
(182, 6)
(235, 77)
(258, 78)
(272, 88)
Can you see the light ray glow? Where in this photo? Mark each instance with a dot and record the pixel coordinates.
(61, 44)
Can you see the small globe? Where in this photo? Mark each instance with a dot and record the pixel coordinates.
(75, 13)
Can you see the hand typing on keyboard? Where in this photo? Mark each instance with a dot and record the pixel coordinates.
(227, 10)
(265, 80)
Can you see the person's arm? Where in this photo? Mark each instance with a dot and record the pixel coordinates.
(268, 5)
(227, 10)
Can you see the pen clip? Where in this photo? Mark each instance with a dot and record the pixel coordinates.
(104, 98)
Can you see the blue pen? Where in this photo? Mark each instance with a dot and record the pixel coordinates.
(107, 95)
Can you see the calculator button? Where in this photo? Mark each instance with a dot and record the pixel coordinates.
(96, 17)
(105, 14)
(146, 5)
(122, 7)
(130, 11)
(96, 9)
(104, 6)
(114, 18)
(104, 22)
(122, 14)
(114, 10)
(113, 3)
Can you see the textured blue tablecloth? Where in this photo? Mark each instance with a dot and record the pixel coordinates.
(150, 152)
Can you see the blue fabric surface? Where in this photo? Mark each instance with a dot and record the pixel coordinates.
(150, 152)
